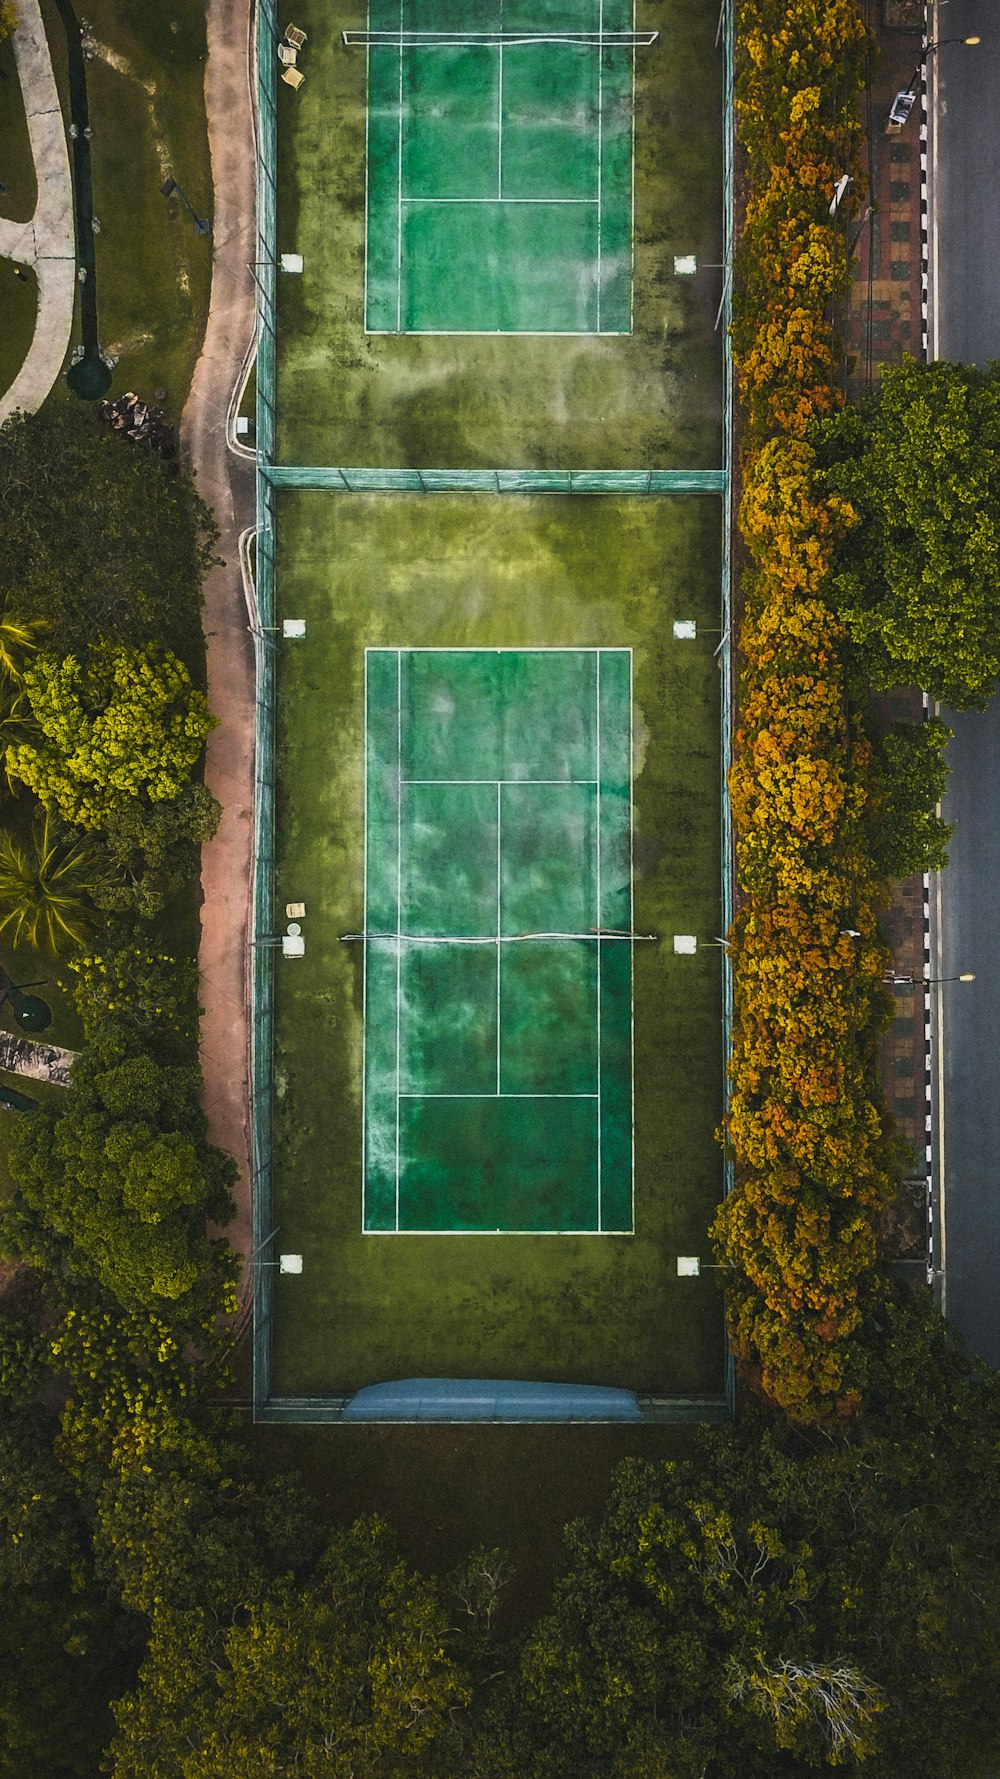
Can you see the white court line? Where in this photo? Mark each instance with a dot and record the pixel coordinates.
(400, 938)
(504, 333)
(517, 781)
(399, 189)
(500, 200)
(530, 648)
(500, 113)
(364, 975)
(499, 946)
(600, 163)
(631, 220)
(399, 892)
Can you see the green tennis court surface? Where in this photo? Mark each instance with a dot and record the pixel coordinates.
(498, 1008)
(499, 175)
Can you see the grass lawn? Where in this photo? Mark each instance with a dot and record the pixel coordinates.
(17, 169)
(18, 305)
(145, 87)
(651, 399)
(468, 570)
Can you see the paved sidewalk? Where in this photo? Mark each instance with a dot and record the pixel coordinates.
(47, 242)
(226, 482)
(882, 321)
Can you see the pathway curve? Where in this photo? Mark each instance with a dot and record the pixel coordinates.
(226, 481)
(47, 241)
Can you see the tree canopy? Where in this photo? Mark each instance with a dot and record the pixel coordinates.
(98, 540)
(343, 1677)
(915, 582)
(775, 1607)
(908, 777)
(113, 725)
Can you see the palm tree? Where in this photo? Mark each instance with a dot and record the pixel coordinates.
(47, 886)
(18, 638)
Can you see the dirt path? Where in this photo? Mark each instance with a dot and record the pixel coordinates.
(225, 479)
(47, 242)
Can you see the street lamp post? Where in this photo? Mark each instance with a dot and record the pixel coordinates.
(939, 43)
(896, 978)
(902, 104)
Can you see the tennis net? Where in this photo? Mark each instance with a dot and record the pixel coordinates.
(496, 39)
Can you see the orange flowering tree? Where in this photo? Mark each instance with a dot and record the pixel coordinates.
(812, 1162)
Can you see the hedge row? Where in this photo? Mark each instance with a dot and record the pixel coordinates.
(812, 1162)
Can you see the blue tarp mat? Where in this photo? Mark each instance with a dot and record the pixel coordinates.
(486, 1399)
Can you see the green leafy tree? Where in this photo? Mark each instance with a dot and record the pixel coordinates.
(22, 1359)
(153, 848)
(99, 539)
(49, 885)
(116, 1184)
(915, 582)
(908, 778)
(114, 725)
(344, 1677)
(65, 1648)
(8, 19)
(151, 995)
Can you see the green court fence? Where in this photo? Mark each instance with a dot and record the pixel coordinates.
(270, 478)
(727, 653)
(262, 954)
(500, 481)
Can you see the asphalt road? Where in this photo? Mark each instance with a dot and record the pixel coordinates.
(965, 324)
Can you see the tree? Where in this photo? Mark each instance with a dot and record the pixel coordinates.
(779, 1606)
(8, 19)
(909, 774)
(115, 725)
(344, 1677)
(65, 1649)
(919, 463)
(117, 1183)
(99, 539)
(48, 886)
(153, 849)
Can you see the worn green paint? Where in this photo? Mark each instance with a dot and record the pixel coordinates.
(647, 400)
(499, 179)
(498, 1057)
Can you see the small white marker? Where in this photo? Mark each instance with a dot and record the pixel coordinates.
(685, 944)
(685, 630)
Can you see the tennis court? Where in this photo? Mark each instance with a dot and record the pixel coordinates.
(498, 948)
(499, 165)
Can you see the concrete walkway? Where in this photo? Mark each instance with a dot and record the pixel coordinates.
(47, 242)
(226, 481)
(42, 1062)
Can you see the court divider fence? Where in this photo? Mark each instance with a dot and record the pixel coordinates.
(499, 481)
(272, 477)
(261, 970)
